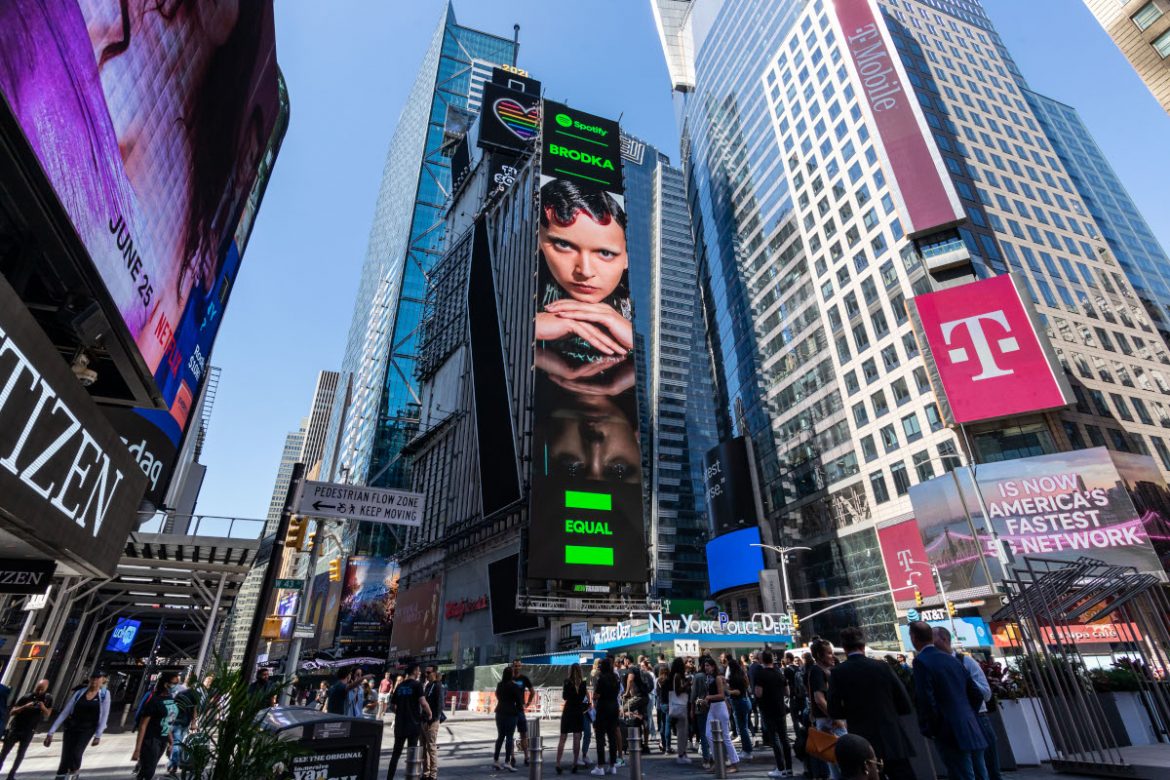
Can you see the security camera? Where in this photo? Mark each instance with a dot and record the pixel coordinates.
(85, 375)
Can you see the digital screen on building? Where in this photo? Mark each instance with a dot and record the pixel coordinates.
(1058, 507)
(368, 599)
(416, 620)
(586, 519)
(731, 501)
(509, 120)
(732, 562)
(149, 121)
(503, 584)
(122, 637)
(986, 352)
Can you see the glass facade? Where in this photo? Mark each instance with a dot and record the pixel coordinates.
(379, 413)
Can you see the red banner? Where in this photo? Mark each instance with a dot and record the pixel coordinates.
(904, 556)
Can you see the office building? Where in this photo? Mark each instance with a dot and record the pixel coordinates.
(317, 424)
(808, 253)
(1141, 29)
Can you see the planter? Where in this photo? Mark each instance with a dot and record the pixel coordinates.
(1027, 731)
(1132, 726)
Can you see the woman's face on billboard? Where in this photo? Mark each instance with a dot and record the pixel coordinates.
(594, 440)
(586, 258)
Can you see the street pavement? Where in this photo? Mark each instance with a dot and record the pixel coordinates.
(466, 751)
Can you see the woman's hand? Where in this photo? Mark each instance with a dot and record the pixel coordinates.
(600, 314)
(134, 756)
(550, 327)
(96, 742)
(48, 740)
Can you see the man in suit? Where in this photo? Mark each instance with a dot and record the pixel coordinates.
(945, 695)
(869, 697)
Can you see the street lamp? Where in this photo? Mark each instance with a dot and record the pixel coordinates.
(941, 590)
(783, 553)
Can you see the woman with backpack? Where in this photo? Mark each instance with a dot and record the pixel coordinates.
(678, 710)
(576, 698)
(154, 730)
(84, 718)
(738, 689)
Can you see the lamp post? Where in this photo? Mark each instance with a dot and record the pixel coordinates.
(942, 592)
(783, 553)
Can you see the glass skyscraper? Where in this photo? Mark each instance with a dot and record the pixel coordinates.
(805, 267)
(377, 401)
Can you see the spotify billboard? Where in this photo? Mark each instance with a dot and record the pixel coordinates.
(586, 501)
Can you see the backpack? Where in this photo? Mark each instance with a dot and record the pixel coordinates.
(644, 683)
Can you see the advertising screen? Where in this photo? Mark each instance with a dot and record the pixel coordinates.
(122, 637)
(922, 186)
(503, 583)
(730, 497)
(906, 562)
(986, 353)
(367, 600)
(324, 605)
(510, 120)
(586, 512)
(416, 620)
(732, 561)
(149, 120)
(1058, 507)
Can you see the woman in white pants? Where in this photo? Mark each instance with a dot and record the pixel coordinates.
(716, 703)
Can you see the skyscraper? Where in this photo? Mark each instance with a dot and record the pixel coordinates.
(317, 427)
(1141, 29)
(808, 251)
(376, 410)
(676, 398)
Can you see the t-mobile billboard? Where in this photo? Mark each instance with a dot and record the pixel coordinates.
(1060, 507)
(905, 559)
(149, 121)
(926, 197)
(985, 352)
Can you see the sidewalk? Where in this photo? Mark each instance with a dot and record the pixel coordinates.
(466, 751)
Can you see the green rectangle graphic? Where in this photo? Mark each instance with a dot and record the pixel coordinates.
(576, 499)
(589, 556)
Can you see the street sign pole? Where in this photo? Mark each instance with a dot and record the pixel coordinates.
(294, 648)
(272, 572)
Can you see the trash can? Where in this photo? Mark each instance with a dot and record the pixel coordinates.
(343, 748)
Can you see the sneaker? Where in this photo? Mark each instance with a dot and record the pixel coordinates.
(496, 766)
(732, 769)
(776, 773)
(682, 760)
(613, 770)
(598, 771)
(510, 767)
(620, 762)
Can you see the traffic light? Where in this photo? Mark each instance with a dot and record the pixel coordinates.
(297, 527)
(951, 608)
(917, 597)
(335, 570)
(312, 537)
(795, 620)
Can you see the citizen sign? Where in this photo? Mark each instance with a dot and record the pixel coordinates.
(65, 476)
(985, 352)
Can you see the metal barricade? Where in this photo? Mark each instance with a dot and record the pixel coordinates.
(535, 750)
(635, 750)
(413, 763)
(718, 749)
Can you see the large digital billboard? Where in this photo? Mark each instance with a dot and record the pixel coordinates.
(905, 559)
(149, 121)
(416, 620)
(586, 510)
(503, 583)
(921, 184)
(1059, 507)
(367, 600)
(985, 352)
(732, 562)
(731, 500)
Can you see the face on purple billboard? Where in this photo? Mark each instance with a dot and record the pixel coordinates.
(149, 120)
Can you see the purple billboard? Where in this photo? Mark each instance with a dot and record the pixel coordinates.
(149, 120)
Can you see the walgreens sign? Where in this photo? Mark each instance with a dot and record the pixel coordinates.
(985, 353)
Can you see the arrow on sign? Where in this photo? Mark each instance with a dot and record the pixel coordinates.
(319, 506)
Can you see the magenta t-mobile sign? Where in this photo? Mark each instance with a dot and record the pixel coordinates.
(922, 186)
(984, 349)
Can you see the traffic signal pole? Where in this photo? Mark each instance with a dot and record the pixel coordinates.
(272, 572)
(294, 648)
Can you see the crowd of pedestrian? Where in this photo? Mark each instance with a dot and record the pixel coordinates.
(839, 712)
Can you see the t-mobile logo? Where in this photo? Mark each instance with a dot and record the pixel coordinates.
(979, 340)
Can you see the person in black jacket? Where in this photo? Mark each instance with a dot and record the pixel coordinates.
(509, 707)
(867, 694)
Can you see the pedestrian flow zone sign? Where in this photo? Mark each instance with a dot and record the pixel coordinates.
(357, 502)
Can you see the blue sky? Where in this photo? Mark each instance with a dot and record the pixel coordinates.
(349, 66)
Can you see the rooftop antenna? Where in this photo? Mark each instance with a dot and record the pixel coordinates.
(515, 43)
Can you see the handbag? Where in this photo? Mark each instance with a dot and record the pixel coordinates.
(677, 707)
(822, 745)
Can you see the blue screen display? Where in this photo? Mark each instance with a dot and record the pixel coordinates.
(732, 561)
(123, 635)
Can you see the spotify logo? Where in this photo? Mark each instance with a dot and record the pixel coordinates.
(564, 120)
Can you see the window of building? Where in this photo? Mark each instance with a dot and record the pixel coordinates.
(1122, 407)
(1095, 435)
(889, 438)
(1162, 45)
(880, 406)
(911, 427)
(923, 466)
(949, 456)
(933, 418)
(1163, 453)
(868, 448)
(860, 416)
(890, 357)
(901, 478)
(1148, 14)
(901, 391)
(881, 494)
(869, 370)
(860, 337)
(1120, 440)
(851, 383)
